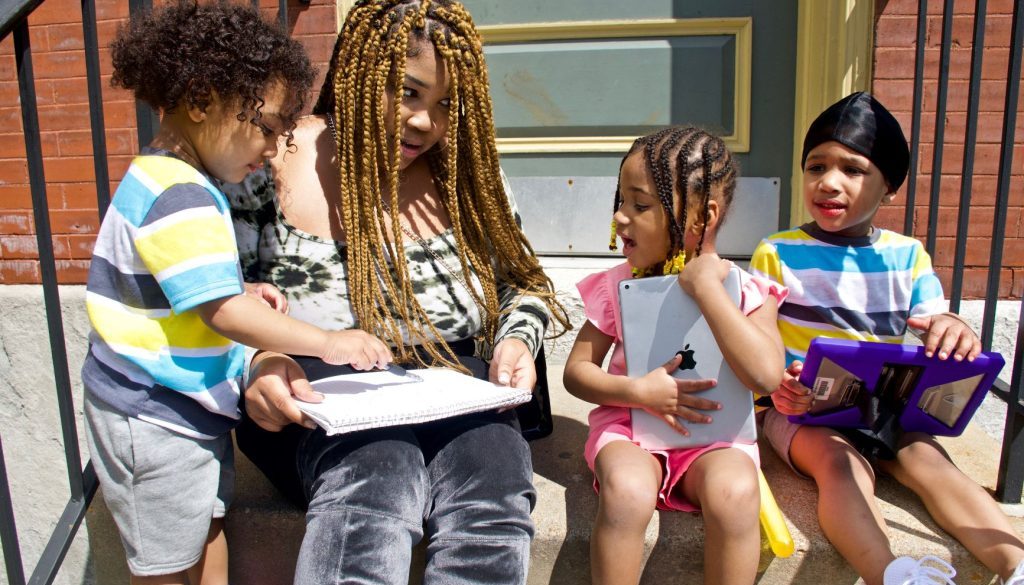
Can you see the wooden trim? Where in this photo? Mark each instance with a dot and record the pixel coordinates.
(835, 49)
(740, 28)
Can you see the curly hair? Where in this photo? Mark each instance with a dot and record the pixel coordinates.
(186, 51)
(369, 57)
(691, 166)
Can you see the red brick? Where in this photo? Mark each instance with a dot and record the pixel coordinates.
(311, 20)
(13, 171)
(15, 197)
(26, 247)
(904, 7)
(78, 195)
(63, 117)
(79, 143)
(975, 282)
(60, 65)
(9, 94)
(69, 169)
(983, 190)
(19, 272)
(119, 114)
(997, 28)
(55, 11)
(74, 221)
(897, 31)
(981, 221)
(8, 69)
(986, 158)
(72, 271)
(111, 10)
(10, 119)
(16, 222)
(66, 37)
(80, 247)
(976, 254)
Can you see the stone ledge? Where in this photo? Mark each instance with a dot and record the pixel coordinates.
(265, 531)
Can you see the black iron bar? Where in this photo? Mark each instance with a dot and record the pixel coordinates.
(99, 137)
(940, 126)
(915, 120)
(1010, 480)
(47, 264)
(970, 143)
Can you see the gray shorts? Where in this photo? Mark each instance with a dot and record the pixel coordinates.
(162, 488)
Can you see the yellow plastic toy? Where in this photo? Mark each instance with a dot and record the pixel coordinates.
(774, 525)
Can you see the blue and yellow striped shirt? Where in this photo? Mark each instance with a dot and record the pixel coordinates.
(847, 288)
(166, 246)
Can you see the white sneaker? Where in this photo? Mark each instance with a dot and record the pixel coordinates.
(1017, 578)
(929, 570)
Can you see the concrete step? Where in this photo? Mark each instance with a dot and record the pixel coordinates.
(264, 531)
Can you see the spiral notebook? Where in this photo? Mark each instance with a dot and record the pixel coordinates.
(368, 400)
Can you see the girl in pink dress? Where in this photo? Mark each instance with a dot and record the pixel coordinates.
(675, 188)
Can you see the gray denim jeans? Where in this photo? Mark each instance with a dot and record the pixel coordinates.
(465, 483)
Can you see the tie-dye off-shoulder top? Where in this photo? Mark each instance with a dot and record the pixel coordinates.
(311, 272)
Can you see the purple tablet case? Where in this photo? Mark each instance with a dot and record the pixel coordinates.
(853, 380)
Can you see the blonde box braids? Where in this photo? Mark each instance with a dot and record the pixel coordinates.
(370, 54)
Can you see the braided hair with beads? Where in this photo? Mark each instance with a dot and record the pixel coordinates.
(688, 165)
(369, 58)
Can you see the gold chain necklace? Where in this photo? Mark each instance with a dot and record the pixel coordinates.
(405, 229)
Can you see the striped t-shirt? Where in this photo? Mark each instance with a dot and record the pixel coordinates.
(166, 245)
(861, 288)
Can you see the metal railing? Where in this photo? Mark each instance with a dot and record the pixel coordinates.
(82, 479)
(1010, 480)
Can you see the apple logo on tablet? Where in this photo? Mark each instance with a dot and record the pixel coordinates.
(688, 362)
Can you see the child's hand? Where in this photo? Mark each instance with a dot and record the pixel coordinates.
(666, 397)
(792, 397)
(708, 267)
(947, 334)
(357, 348)
(268, 294)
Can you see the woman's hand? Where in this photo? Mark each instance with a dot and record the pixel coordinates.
(268, 294)
(948, 334)
(792, 397)
(707, 267)
(512, 365)
(667, 398)
(275, 382)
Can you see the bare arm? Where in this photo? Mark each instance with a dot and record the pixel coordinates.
(750, 343)
(249, 321)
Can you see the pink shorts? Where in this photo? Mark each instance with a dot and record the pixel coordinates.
(613, 423)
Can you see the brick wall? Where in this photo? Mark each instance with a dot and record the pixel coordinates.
(893, 84)
(55, 32)
(56, 38)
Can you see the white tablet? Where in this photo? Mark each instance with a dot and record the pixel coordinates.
(659, 320)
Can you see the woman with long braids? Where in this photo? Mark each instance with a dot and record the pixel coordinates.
(389, 214)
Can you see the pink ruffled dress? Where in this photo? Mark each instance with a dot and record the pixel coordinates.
(600, 294)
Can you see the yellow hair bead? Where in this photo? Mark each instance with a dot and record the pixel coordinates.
(675, 264)
(613, 242)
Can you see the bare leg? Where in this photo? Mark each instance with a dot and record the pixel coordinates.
(847, 510)
(724, 483)
(629, 479)
(961, 507)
